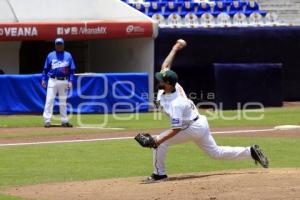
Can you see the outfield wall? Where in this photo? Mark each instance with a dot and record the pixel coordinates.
(91, 93)
(207, 46)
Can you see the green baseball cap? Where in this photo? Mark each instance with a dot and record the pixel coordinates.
(168, 76)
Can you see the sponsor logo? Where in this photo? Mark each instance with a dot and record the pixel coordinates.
(131, 29)
(18, 31)
(175, 121)
(100, 30)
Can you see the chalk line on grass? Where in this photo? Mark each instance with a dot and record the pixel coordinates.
(122, 138)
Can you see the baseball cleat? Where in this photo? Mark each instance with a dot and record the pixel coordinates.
(155, 177)
(258, 156)
(47, 125)
(67, 125)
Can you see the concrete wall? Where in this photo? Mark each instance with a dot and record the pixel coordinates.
(9, 57)
(122, 55)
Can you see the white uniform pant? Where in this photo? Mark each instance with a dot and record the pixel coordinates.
(55, 87)
(199, 133)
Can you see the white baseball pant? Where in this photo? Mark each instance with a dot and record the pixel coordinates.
(55, 87)
(199, 133)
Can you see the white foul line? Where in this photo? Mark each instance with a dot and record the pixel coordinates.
(244, 131)
(65, 141)
(123, 138)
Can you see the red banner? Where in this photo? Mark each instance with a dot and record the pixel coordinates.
(75, 30)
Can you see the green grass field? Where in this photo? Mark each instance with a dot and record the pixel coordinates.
(25, 165)
(108, 159)
(271, 117)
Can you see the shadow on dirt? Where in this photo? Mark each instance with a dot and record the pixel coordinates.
(189, 177)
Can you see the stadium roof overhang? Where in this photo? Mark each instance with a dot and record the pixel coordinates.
(72, 19)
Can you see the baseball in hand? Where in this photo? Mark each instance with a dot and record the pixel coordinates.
(182, 42)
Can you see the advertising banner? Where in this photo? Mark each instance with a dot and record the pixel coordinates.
(75, 30)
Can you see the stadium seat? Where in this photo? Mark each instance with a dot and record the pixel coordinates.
(160, 19)
(140, 7)
(235, 7)
(252, 6)
(191, 20)
(220, 7)
(136, 1)
(188, 7)
(207, 19)
(174, 21)
(271, 19)
(239, 19)
(226, 2)
(255, 19)
(155, 7)
(203, 7)
(171, 7)
(223, 19)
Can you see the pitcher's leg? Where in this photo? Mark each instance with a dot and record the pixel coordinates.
(50, 96)
(159, 154)
(208, 144)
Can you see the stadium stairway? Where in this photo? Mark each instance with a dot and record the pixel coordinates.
(288, 10)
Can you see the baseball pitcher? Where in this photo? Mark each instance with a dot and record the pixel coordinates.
(187, 125)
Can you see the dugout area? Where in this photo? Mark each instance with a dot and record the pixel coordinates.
(99, 41)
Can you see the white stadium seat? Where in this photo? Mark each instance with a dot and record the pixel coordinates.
(207, 20)
(239, 19)
(160, 19)
(256, 19)
(191, 20)
(174, 21)
(223, 19)
(271, 19)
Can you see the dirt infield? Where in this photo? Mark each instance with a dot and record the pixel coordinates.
(234, 185)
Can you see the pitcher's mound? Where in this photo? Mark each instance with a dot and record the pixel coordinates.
(233, 185)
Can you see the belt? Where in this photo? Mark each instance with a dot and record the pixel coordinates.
(59, 78)
(196, 118)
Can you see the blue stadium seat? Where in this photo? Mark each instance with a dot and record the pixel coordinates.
(235, 7)
(166, 1)
(155, 7)
(188, 7)
(226, 2)
(219, 8)
(140, 7)
(172, 7)
(252, 6)
(203, 7)
(182, 1)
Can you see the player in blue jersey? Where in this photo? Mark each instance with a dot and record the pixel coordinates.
(59, 70)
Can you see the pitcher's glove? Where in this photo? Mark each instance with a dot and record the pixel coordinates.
(146, 140)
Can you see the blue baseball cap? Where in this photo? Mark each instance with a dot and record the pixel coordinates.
(59, 41)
